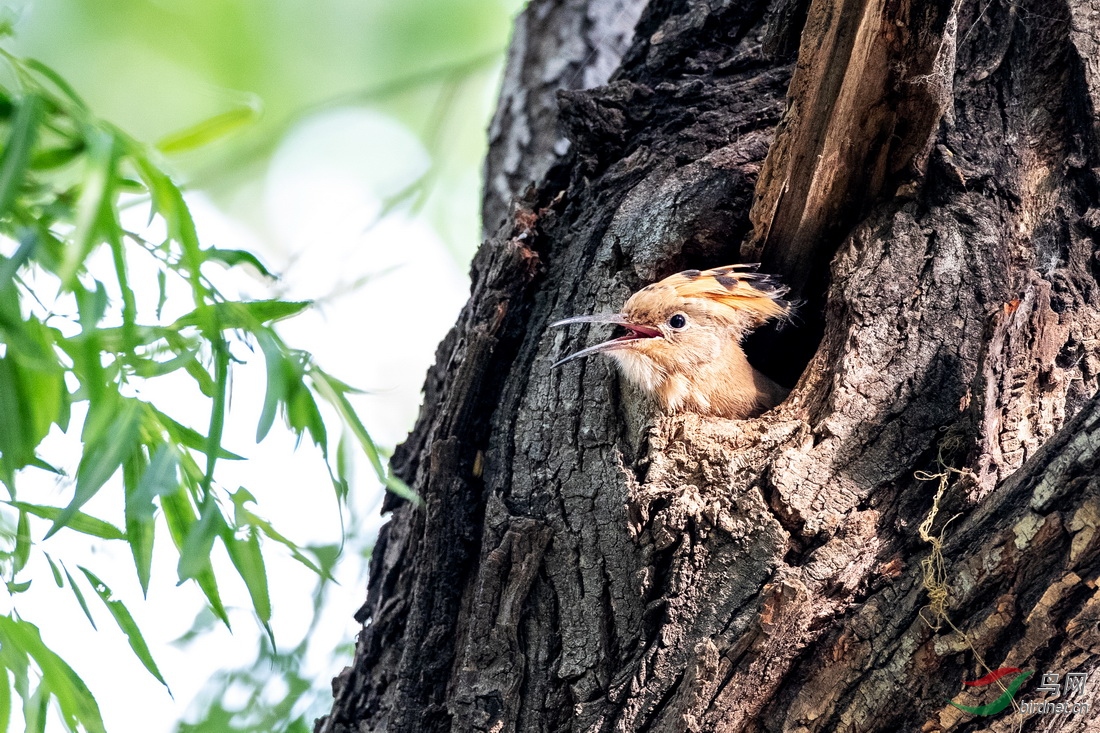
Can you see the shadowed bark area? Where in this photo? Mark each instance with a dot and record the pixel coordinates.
(927, 173)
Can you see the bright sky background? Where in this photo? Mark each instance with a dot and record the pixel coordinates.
(311, 204)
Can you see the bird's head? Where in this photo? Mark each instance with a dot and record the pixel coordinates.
(686, 320)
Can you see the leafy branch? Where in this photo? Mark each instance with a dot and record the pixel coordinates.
(75, 332)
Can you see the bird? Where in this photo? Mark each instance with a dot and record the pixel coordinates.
(682, 340)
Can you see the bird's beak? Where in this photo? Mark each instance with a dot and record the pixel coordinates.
(634, 332)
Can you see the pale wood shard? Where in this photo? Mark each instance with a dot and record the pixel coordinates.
(864, 102)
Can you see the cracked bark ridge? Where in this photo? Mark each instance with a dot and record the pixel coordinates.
(583, 564)
(421, 560)
(576, 44)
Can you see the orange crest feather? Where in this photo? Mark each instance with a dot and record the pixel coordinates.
(735, 286)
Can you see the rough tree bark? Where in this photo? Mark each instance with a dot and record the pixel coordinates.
(927, 176)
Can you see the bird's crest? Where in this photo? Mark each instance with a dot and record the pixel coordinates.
(738, 287)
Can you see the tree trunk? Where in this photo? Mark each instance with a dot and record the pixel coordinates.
(923, 508)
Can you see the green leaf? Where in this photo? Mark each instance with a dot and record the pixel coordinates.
(92, 305)
(335, 396)
(22, 543)
(234, 257)
(341, 478)
(179, 515)
(41, 383)
(187, 437)
(276, 381)
(95, 192)
(125, 622)
(217, 410)
(243, 517)
(55, 157)
(160, 478)
(32, 392)
(248, 315)
(103, 458)
(210, 129)
(16, 443)
(5, 700)
(327, 556)
(337, 385)
(17, 661)
(86, 356)
(202, 378)
(75, 700)
(295, 551)
(343, 457)
(9, 266)
(181, 519)
(119, 339)
(39, 463)
(204, 622)
(35, 708)
(79, 597)
(58, 81)
(208, 584)
(248, 559)
(17, 150)
(31, 341)
(80, 522)
(149, 368)
(195, 553)
(303, 415)
(49, 250)
(139, 530)
(168, 201)
(162, 292)
(112, 231)
(53, 569)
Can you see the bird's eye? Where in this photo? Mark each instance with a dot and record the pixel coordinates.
(678, 321)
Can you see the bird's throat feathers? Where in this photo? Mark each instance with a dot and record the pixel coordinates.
(724, 384)
(639, 370)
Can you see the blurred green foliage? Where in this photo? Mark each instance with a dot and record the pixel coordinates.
(430, 64)
(64, 340)
(273, 692)
(216, 85)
